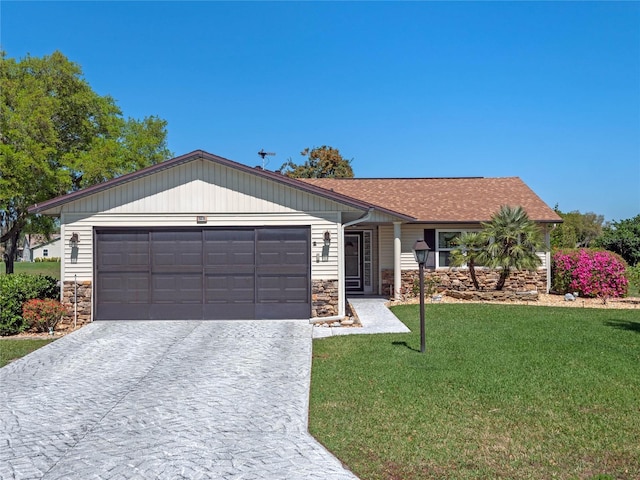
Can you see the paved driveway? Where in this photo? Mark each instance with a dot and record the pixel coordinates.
(164, 400)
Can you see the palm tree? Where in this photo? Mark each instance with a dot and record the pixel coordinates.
(469, 252)
(513, 242)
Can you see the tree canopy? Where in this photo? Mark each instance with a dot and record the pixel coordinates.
(57, 135)
(322, 162)
(578, 230)
(512, 242)
(623, 238)
(469, 250)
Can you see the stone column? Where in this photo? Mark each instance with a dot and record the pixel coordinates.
(83, 307)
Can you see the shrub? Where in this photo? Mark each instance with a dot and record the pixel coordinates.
(42, 314)
(430, 285)
(16, 289)
(591, 273)
(633, 275)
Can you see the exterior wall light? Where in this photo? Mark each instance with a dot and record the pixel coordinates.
(74, 240)
(73, 243)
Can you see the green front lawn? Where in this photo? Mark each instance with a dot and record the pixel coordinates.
(34, 268)
(503, 392)
(12, 349)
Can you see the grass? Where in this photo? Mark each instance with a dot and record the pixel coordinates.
(503, 392)
(12, 349)
(34, 268)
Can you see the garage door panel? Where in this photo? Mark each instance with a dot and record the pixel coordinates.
(282, 257)
(218, 256)
(210, 273)
(270, 311)
(124, 311)
(118, 288)
(229, 248)
(175, 312)
(230, 289)
(177, 248)
(168, 259)
(177, 289)
(124, 259)
(120, 249)
(279, 289)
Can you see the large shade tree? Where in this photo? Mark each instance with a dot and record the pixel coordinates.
(512, 242)
(577, 230)
(321, 162)
(623, 237)
(57, 135)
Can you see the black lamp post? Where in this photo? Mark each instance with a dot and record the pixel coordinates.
(421, 251)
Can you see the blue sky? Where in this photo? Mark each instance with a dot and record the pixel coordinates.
(547, 91)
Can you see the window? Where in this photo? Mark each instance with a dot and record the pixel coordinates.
(45, 252)
(445, 244)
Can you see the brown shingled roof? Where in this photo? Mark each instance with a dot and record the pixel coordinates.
(443, 199)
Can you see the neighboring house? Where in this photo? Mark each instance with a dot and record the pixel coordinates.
(47, 249)
(38, 246)
(200, 236)
(24, 252)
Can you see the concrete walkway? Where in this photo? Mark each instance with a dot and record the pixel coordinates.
(374, 316)
(164, 400)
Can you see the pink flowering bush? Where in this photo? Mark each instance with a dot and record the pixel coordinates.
(591, 273)
(42, 314)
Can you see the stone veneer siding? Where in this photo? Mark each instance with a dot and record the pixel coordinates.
(324, 298)
(458, 279)
(84, 302)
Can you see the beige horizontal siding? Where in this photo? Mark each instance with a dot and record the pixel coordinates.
(202, 186)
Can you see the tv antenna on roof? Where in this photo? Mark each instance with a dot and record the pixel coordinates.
(263, 154)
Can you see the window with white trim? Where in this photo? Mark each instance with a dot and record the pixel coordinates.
(445, 243)
(45, 252)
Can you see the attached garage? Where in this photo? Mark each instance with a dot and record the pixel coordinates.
(205, 273)
(202, 237)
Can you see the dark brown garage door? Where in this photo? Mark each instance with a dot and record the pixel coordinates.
(204, 273)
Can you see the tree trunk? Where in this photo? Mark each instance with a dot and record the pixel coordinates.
(472, 272)
(504, 273)
(11, 247)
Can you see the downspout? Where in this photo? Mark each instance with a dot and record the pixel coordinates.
(548, 255)
(364, 218)
(343, 286)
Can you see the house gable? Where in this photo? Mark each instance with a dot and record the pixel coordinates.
(201, 186)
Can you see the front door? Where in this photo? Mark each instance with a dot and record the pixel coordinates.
(353, 261)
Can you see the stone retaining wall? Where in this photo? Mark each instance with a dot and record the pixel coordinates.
(494, 295)
(324, 298)
(84, 302)
(456, 279)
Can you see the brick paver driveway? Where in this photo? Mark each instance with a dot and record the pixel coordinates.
(164, 400)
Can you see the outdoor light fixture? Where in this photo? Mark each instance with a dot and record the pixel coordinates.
(73, 243)
(421, 253)
(74, 240)
(325, 248)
